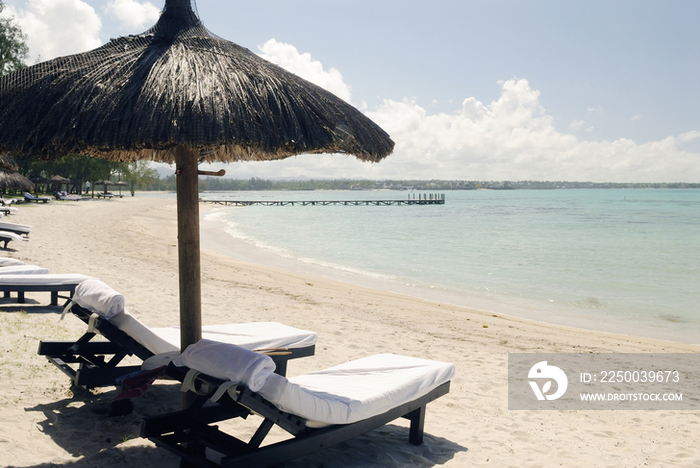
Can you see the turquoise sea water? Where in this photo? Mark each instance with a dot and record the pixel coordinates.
(614, 260)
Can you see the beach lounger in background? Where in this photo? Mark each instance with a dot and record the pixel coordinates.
(21, 229)
(6, 237)
(318, 410)
(92, 363)
(104, 195)
(6, 261)
(53, 283)
(28, 197)
(8, 201)
(6, 210)
(115, 194)
(63, 195)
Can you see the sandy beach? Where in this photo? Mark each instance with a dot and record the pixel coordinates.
(130, 244)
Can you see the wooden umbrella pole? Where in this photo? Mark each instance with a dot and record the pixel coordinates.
(188, 247)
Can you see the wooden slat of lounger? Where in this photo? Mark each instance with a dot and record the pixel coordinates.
(62, 348)
(54, 289)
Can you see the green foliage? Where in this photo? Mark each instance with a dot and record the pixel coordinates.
(13, 49)
(80, 169)
(139, 175)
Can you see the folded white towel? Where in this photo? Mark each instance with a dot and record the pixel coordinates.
(229, 362)
(97, 297)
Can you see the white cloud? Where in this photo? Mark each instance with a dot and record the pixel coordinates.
(133, 14)
(58, 27)
(512, 138)
(289, 58)
(637, 117)
(576, 125)
(689, 136)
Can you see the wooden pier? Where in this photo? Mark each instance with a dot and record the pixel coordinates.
(421, 199)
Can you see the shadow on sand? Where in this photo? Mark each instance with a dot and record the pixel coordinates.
(81, 426)
(30, 306)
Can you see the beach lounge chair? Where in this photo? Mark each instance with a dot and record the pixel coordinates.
(6, 237)
(6, 261)
(21, 229)
(6, 210)
(104, 195)
(63, 195)
(96, 363)
(8, 201)
(28, 197)
(115, 194)
(319, 409)
(53, 283)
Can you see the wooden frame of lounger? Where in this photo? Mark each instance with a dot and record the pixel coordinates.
(54, 289)
(28, 197)
(189, 433)
(96, 363)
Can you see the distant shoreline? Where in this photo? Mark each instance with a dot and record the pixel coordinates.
(211, 184)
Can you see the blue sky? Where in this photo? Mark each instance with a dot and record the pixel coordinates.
(487, 89)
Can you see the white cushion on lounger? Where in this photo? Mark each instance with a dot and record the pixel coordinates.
(23, 270)
(11, 235)
(15, 227)
(39, 280)
(258, 335)
(7, 262)
(144, 335)
(356, 390)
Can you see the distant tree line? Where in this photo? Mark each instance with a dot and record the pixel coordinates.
(223, 184)
(83, 172)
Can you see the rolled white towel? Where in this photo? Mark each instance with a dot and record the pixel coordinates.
(228, 362)
(97, 297)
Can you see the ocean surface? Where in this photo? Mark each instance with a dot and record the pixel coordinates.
(625, 261)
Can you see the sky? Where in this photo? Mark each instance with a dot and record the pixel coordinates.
(594, 90)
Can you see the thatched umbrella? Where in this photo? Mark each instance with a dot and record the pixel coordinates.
(57, 181)
(178, 93)
(103, 182)
(120, 184)
(10, 176)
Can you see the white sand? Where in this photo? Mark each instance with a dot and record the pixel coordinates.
(130, 244)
